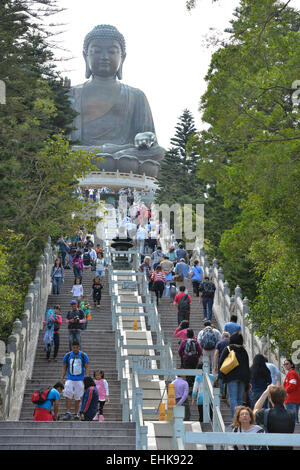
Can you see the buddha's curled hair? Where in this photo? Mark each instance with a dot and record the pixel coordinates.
(105, 31)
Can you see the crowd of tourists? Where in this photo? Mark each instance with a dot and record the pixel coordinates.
(251, 390)
(255, 390)
(89, 394)
(253, 393)
(96, 194)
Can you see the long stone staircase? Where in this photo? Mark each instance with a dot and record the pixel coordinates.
(98, 343)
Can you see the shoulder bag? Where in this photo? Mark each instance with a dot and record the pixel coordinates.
(230, 362)
(179, 277)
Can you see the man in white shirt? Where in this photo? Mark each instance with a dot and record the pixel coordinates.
(131, 230)
(141, 235)
(93, 255)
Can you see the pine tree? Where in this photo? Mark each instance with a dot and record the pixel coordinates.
(184, 129)
(177, 178)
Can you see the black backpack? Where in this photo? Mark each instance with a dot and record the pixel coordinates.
(208, 289)
(184, 304)
(86, 259)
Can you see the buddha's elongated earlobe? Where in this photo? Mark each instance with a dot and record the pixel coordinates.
(88, 71)
(120, 70)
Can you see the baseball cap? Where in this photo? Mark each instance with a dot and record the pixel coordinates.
(73, 302)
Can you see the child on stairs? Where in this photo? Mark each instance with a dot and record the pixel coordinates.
(96, 290)
(85, 307)
(77, 289)
(102, 387)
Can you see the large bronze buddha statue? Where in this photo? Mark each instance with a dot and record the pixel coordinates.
(114, 119)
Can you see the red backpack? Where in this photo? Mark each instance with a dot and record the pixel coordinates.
(38, 398)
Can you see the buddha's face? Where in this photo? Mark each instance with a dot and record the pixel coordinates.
(104, 57)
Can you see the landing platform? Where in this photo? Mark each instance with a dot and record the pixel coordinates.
(118, 180)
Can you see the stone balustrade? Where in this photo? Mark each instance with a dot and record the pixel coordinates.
(117, 179)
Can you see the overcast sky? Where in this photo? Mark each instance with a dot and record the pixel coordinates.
(167, 57)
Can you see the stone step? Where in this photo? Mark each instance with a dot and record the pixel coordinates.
(107, 447)
(109, 417)
(114, 396)
(89, 438)
(73, 425)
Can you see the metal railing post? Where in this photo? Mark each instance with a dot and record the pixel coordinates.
(206, 416)
(216, 405)
(178, 426)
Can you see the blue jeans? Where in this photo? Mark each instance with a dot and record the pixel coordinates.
(207, 303)
(295, 408)
(70, 260)
(141, 246)
(74, 334)
(63, 258)
(222, 386)
(196, 285)
(77, 273)
(100, 273)
(56, 285)
(235, 389)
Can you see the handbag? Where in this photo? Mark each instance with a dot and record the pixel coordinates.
(55, 271)
(229, 363)
(179, 277)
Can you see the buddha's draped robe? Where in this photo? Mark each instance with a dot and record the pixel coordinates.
(126, 118)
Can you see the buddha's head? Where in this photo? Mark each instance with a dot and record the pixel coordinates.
(104, 52)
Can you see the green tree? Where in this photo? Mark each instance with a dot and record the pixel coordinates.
(177, 178)
(10, 295)
(251, 154)
(38, 171)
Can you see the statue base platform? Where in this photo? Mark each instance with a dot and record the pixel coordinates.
(117, 180)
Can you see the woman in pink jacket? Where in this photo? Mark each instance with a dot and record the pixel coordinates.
(180, 332)
(77, 264)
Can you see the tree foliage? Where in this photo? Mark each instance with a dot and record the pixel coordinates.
(38, 171)
(177, 178)
(250, 155)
